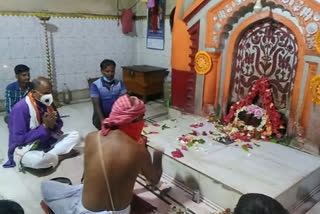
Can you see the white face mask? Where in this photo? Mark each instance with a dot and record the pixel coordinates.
(46, 99)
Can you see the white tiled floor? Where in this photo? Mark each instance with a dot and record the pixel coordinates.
(25, 187)
(315, 209)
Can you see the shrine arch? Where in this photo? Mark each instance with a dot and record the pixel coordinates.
(300, 65)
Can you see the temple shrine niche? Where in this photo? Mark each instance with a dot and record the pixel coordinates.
(236, 127)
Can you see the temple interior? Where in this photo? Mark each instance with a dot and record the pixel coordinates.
(231, 89)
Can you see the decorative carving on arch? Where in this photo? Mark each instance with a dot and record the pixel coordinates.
(307, 12)
(265, 50)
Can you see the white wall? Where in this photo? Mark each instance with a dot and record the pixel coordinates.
(21, 41)
(79, 45)
(161, 58)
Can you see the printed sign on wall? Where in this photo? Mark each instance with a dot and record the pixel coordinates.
(156, 21)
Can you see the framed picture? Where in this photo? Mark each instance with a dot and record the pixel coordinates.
(156, 23)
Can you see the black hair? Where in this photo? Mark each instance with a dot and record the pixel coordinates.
(106, 62)
(11, 207)
(21, 68)
(254, 203)
(173, 11)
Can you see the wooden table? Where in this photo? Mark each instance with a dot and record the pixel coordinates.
(144, 80)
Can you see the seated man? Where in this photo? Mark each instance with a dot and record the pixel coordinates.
(254, 203)
(17, 90)
(113, 159)
(35, 129)
(104, 92)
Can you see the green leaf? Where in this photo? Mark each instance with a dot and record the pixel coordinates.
(164, 126)
(257, 145)
(284, 142)
(257, 135)
(189, 144)
(144, 132)
(245, 148)
(35, 145)
(219, 127)
(273, 140)
(201, 141)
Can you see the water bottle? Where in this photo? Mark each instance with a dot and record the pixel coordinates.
(66, 94)
(167, 90)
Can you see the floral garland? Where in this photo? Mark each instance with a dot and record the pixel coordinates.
(317, 41)
(271, 121)
(315, 89)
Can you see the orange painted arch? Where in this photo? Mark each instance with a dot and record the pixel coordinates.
(300, 67)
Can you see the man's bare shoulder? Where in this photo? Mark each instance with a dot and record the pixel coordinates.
(114, 138)
(91, 134)
(118, 136)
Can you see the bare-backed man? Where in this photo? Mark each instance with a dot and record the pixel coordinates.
(114, 157)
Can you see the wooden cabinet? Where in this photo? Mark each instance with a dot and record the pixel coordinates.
(144, 80)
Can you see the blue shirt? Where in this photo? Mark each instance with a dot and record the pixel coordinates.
(13, 95)
(107, 95)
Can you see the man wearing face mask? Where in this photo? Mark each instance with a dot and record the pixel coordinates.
(104, 92)
(35, 130)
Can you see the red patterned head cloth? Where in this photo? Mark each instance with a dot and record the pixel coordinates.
(124, 111)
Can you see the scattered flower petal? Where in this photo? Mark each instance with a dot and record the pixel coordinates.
(177, 154)
(249, 146)
(153, 132)
(194, 132)
(183, 147)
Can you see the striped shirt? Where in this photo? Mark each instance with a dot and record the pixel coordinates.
(13, 94)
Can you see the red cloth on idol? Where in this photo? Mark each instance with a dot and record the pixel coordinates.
(124, 111)
(127, 21)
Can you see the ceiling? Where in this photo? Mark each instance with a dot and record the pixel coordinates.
(101, 7)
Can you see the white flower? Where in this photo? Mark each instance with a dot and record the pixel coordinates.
(234, 130)
(250, 128)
